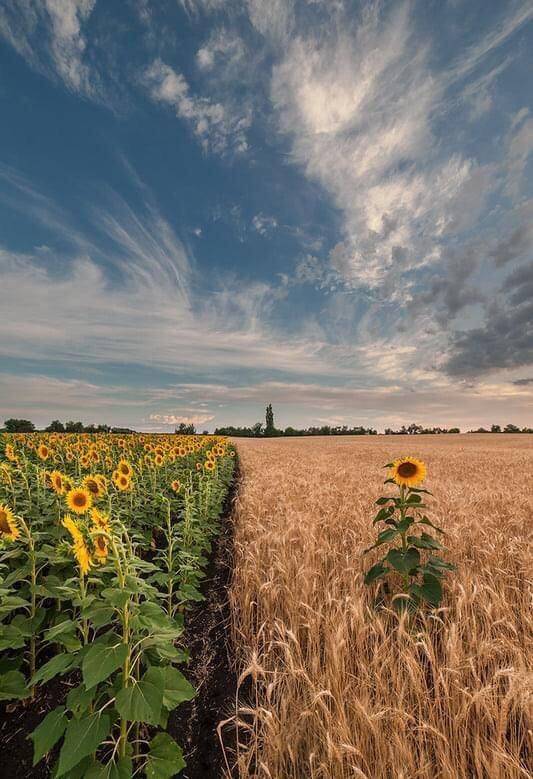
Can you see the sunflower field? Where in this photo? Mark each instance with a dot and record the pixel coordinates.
(104, 541)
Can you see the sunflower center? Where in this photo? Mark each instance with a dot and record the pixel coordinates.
(406, 470)
(4, 524)
(79, 500)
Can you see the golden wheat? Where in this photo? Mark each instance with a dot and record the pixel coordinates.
(330, 689)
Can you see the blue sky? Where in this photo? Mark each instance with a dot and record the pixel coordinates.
(209, 205)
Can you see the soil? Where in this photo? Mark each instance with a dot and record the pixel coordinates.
(210, 669)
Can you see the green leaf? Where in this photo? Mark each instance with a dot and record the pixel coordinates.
(67, 626)
(436, 562)
(177, 689)
(59, 664)
(424, 541)
(413, 498)
(382, 501)
(383, 513)
(403, 561)
(401, 603)
(13, 685)
(165, 758)
(142, 701)
(11, 637)
(79, 700)
(430, 590)
(122, 769)
(116, 597)
(12, 602)
(376, 572)
(48, 733)
(426, 521)
(82, 738)
(104, 657)
(405, 524)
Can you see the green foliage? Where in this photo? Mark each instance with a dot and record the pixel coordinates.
(402, 573)
(118, 626)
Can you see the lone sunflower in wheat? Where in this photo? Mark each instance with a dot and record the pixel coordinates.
(408, 471)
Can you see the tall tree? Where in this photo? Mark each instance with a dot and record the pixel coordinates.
(269, 421)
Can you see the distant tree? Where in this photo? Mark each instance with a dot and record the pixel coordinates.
(184, 429)
(270, 430)
(19, 426)
(55, 427)
(205, 432)
(511, 429)
(257, 429)
(454, 430)
(74, 427)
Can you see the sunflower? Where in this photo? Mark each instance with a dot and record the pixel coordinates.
(122, 482)
(85, 461)
(100, 520)
(210, 465)
(10, 453)
(102, 481)
(176, 485)
(408, 471)
(100, 548)
(73, 528)
(158, 460)
(94, 485)
(81, 553)
(79, 500)
(124, 468)
(57, 482)
(8, 524)
(43, 452)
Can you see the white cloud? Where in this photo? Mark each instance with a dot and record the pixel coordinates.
(176, 419)
(358, 102)
(519, 149)
(264, 224)
(60, 51)
(224, 48)
(219, 128)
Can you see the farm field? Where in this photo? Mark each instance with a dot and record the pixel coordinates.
(332, 689)
(104, 543)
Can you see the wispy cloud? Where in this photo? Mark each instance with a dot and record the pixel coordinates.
(219, 128)
(177, 419)
(60, 52)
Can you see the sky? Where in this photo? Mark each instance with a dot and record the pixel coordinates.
(211, 205)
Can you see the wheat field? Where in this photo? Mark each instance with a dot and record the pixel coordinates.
(330, 689)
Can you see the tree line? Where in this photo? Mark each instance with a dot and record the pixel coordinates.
(258, 430)
(56, 426)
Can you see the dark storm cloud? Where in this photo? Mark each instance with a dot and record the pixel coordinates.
(513, 246)
(523, 382)
(506, 340)
(449, 294)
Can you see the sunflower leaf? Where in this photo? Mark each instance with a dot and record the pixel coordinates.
(48, 733)
(13, 685)
(165, 758)
(82, 738)
(105, 656)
